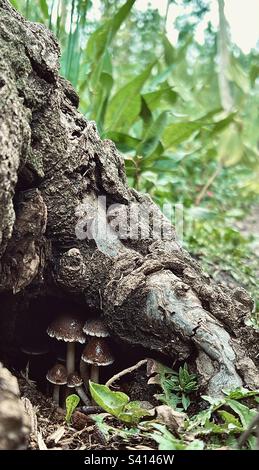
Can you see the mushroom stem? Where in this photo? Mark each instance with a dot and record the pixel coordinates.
(83, 395)
(84, 372)
(56, 394)
(95, 374)
(70, 357)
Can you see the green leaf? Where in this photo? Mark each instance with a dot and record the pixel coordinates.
(125, 105)
(254, 73)
(240, 392)
(185, 401)
(152, 136)
(245, 414)
(178, 132)
(229, 418)
(133, 412)
(112, 402)
(230, 149)
(72, 402)
(169, 51)
(44, 8)
(164, 93)
(124, 142)
(103, 36)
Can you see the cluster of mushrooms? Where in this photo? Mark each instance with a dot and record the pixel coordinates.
(95, 354)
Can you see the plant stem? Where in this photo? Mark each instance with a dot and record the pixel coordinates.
(84, 372)
(56, 394)
(70, 358)
(95, 374)
(205, 188)
(83, 395)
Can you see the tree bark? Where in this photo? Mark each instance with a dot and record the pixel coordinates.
(14, 422)
(53, 167)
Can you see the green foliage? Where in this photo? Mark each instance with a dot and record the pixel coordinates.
(167, 441)
(117, 404)
(72, 402)
(177, 387)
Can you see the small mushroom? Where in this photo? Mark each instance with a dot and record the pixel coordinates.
(75, 381)
(95, 327)
(92, 327)
(97, 353)
(57, 376)
(68, 328)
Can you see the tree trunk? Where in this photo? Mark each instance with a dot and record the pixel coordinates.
(53, 168)
(14, 422)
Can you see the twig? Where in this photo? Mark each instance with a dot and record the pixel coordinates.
(205, 188)
(125, 372)
(90, 410)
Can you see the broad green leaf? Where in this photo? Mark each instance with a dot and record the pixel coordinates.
(124, 142)
(133, 412)
(178, 132)
(245, 414)
(164, 93)
(230, 149)
(223, 123)
(112, 402)
(125, 105)
(152, 136)
(229, 418)
(72, 402)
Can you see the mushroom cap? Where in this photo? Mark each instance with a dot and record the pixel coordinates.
(67, 328)
(57, 375)
(97, 352)
(74, 380)
(95, 327)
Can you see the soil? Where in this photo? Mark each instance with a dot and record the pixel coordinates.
(49, 430)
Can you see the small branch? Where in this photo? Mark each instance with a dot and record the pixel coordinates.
(205, 188)
(125, 372)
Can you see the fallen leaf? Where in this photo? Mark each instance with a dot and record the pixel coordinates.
(171, 418)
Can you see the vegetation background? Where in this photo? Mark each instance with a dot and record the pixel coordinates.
(184, 116)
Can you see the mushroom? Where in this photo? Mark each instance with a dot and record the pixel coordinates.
(57, 376)
(75, 381)
(92, 327)
(97, 353)
(68, 328)
(95, 327)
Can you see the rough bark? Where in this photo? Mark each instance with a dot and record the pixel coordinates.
(14, 422)
(53, 166)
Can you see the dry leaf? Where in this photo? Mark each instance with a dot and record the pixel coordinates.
(171, 418)
(56, 435)
(41, 443)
